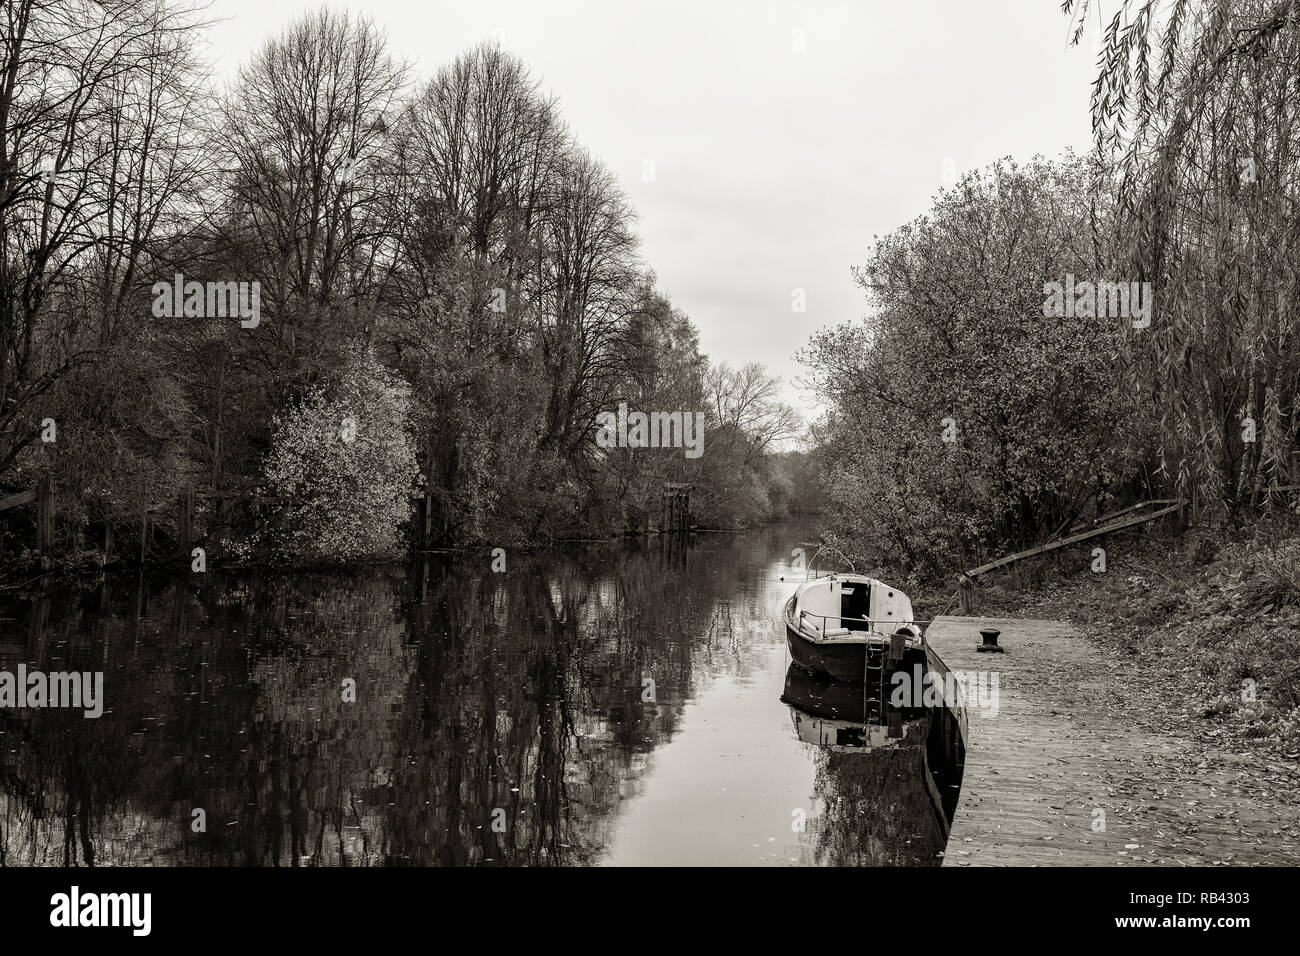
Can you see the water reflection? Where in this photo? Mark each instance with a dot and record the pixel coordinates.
(531, 717)
(840, 717)
(882, 773)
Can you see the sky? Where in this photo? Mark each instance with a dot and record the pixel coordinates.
(763, 144)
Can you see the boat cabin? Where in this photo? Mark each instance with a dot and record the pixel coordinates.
(841, 604)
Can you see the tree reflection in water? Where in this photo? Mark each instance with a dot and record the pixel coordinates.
(499, 718)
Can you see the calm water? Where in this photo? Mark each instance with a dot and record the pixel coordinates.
(609, 704)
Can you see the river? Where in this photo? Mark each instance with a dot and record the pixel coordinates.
(620, 703)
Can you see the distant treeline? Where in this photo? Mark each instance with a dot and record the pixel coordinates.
(1056, 340)
(340, 310)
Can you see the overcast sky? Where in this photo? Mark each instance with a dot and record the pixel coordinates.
(773, 169)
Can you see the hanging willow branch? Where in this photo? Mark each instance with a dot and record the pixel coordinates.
(1201, 158)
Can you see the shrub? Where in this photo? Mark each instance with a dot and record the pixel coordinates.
(343, 467)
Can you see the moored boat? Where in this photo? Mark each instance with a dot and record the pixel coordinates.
(852, 628)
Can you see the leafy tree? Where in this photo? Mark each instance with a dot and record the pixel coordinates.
(453, 234)
(961, 417)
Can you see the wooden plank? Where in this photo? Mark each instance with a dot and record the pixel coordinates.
(1073, 539)
(22, 498)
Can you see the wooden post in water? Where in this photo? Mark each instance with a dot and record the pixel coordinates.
(185, 517)
(37, 629)
(676, 508)
(429, 459)
(144, 535)
(428, 512)
(45, 515)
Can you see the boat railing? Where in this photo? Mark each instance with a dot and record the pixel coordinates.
(811, 571)
(921, 625)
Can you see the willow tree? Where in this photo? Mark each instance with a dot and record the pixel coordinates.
(1196, 104)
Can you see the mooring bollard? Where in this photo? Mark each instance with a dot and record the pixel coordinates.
(990, 644)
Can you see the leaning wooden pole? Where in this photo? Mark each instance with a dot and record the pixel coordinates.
(1073, 539)
(966, 580)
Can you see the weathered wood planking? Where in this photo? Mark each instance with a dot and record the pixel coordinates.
(1060, 748)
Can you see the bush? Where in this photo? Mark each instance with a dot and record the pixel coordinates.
(343, 468)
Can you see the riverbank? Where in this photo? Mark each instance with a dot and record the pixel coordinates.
(25, 566)
(1209, 625)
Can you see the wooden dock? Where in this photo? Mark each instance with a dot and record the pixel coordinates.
(1058, 775)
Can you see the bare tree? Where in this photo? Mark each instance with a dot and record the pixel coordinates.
(748, 401)
(590, 289)
(93, 155)
(307, 128)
